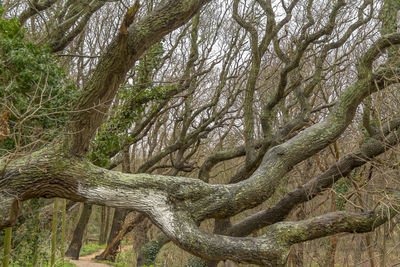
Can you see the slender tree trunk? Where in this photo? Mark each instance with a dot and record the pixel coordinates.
(76, 242)
(63, 215)
(385, 236)
(116, 227)
(102, 236)
(368, 235)
(54, 234)
(35, 252)
(299, 248)
(333, 239)
(118, 220)
(119, 214)
(369, 249)
(330, 260)
(107, 223)
(7, 246)
(140, 238)
(358, 252)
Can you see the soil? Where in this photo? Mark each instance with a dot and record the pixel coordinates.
(88, 260)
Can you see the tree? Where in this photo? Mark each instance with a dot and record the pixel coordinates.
(292, 106)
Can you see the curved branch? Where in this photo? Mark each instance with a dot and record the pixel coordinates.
(119, 57)
(54, 172)
(282, 158)
(333, 223)
(372, 148)
(34, 8)
(177, 204)
(166, 200)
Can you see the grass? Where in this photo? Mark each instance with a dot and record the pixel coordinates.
(59, 263)
(123, 259)
(88, 249)
(65, 263)
(120, 264)
(117, 264)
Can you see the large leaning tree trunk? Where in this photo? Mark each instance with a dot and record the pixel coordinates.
(177, 205)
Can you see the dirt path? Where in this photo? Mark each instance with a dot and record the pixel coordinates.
(88, 260)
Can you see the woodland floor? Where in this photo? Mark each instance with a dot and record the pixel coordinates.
(88, 260)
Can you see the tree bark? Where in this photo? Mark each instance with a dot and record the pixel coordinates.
(102, 234)
(178, 204)
(76, 242)
(7, 246)
(54, 233)
(63, 226)
(140, 238)
(321, 182)
(119, 218)
(120, 57)
(112, 247)
(107, 224)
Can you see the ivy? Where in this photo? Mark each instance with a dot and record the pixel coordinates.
(341, 187)
(134, 101)
(29, 236)
(150, 251)
(196, 262)
(33, 86)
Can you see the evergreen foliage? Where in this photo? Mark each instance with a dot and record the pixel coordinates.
(33, 87)
(36, 91)
(134, 102)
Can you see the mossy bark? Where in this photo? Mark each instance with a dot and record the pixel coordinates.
(117, 60)
(178, 204)
(169, 202)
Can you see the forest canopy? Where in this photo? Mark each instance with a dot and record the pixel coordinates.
(237, 129)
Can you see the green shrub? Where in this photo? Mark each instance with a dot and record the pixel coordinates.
(38, 94)
(33, 87)
(196, 262)
(150, 251)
